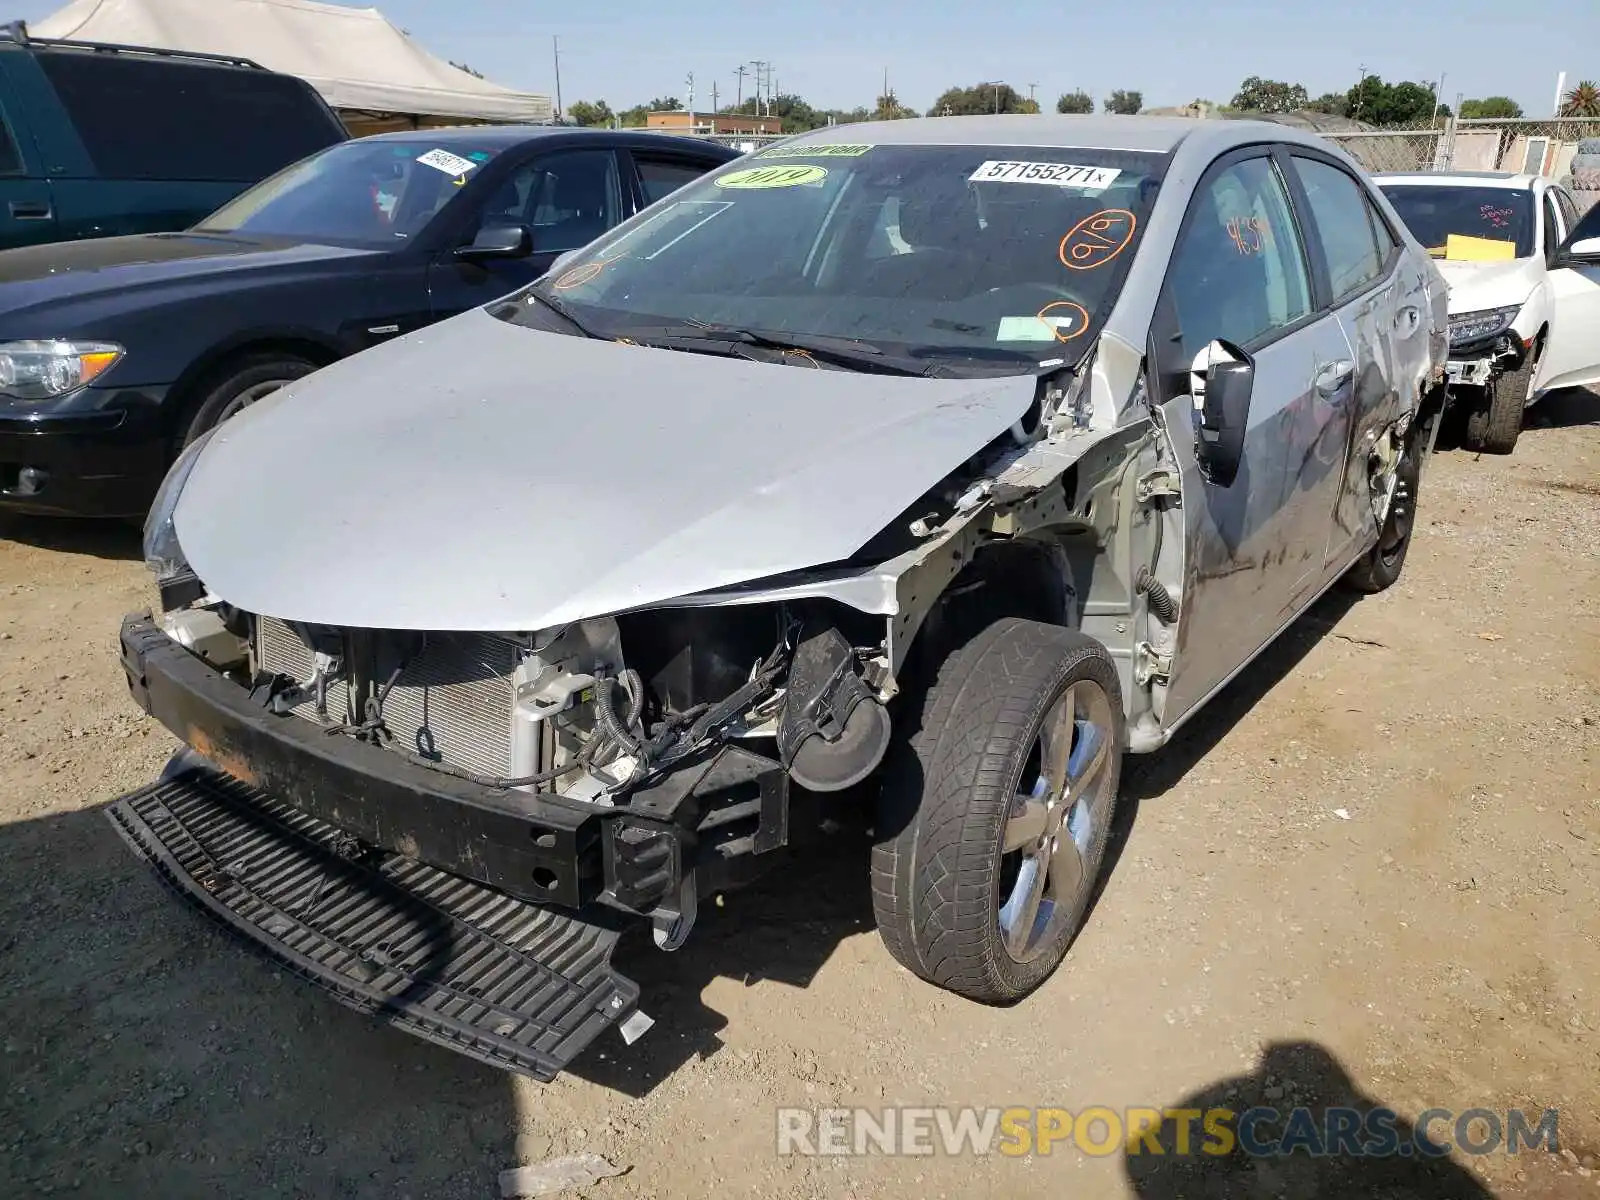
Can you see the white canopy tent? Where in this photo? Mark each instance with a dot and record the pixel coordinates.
(354, 57)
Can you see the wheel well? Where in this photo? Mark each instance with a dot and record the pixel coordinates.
(205, 371)
(1013, 578)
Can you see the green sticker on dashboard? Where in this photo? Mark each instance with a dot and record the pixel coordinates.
(842, 150)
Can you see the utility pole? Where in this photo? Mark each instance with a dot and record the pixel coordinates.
(763, 85)
(690, 82)
(555, 50)
(739, 74)
(1032, 87)
(1561, 92)
(1438, 98)
(1361, 93)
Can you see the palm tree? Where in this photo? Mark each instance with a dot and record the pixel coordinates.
(1582, 101)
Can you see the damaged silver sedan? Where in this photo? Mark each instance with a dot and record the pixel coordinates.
(921, 468)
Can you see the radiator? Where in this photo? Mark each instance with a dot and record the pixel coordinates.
(453, 702)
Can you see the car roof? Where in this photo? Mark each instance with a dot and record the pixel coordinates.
(505, 136)
(1493, 179)
(1149, 135)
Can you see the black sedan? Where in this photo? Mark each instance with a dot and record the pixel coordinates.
(115, 353)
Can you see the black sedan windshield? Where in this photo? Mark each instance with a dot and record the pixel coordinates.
(1455, 222)
(1005, 254)
(362, 193)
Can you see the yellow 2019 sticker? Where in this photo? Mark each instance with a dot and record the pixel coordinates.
(824, 150)
(772, 177)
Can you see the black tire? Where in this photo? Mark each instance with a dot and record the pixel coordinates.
(947, 800)
(1493, 427)
(1380, 567)
(225, 392)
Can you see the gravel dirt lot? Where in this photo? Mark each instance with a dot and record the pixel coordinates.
(1371, 871)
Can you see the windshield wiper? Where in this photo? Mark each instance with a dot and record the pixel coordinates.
(561, 309)
(840, 351)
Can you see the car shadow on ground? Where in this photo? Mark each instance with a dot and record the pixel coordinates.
(1568, 408)
(148, 1053)
(1175, 1164)
(116, 540)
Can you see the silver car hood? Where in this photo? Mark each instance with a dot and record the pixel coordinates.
(478, 475)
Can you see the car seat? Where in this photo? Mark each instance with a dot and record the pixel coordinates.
(948, 248)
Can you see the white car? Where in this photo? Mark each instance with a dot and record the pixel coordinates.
(1524, 294)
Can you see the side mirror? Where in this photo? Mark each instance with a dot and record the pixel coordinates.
(1221, 378)
(499, 241)
(1585, 252)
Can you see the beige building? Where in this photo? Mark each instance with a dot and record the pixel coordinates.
(687, 122)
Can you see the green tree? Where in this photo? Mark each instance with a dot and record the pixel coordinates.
(1406, 103)
(1269, 96)
(797, 115)
(1125, 103)
(889, 108)
(1501, 107)
(1075, 102)
(634, 118)
(1335, 104)
(1582, 101)
(595, 113)
(981, 98)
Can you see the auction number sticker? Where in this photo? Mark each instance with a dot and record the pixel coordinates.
(772, 177)
(443, 160)
(1052, 174)
(840, 150)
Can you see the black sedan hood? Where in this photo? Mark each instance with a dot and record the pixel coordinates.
(41, 277)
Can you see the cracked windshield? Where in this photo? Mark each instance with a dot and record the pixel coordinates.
(955, 258)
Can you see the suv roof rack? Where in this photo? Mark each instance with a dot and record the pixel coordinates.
(17, 31)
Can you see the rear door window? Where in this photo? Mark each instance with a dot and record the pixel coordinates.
(1344, 226)
(660, 176)
(146, 119)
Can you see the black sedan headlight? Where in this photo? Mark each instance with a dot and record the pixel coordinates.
(1469, 327)
(43, 370)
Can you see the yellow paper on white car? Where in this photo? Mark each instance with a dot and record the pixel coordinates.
(1458, 247)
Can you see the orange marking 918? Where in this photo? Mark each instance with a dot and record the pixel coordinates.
(579, 276)
(1097, 239)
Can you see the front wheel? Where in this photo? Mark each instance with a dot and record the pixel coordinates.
(240, 385)
(996, 812)
(1495, 425)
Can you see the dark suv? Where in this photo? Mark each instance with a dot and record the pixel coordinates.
(99, 140)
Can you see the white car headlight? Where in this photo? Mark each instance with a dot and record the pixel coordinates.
(45, 369)
(1485, 323)
(162, 554)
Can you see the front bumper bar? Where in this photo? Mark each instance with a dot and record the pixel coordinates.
(513, 985)
(705, 820)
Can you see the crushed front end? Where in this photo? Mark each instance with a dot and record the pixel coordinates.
(378, 808)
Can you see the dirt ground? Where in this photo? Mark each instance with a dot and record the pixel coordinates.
(1370, 870)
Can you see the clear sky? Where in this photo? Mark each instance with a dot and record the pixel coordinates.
(834, 52)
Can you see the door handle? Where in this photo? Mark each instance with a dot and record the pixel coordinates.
(30, 210)
(1333, 376)
(1407, 320)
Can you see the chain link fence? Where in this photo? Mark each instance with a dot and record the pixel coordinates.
(1566, 149)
